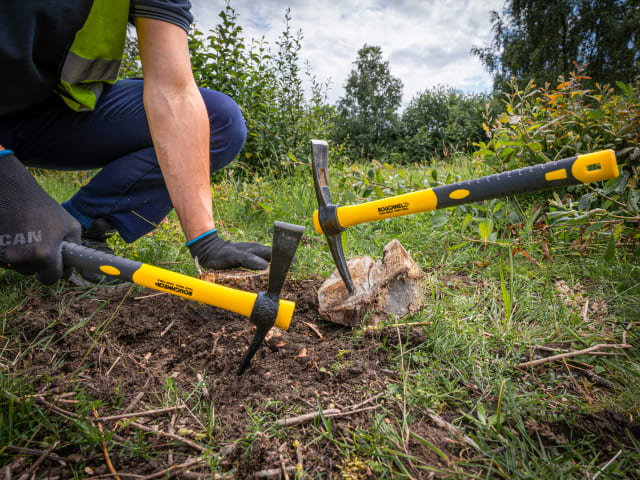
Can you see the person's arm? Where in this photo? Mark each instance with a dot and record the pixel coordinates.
(179, 127)
(178, 122)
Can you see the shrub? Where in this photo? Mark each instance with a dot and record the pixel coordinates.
(439, 120)
(543, 124)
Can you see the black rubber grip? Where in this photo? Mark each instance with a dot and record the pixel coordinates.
(523, 180)
(88, 259)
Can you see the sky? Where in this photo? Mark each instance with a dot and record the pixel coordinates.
(426, 42)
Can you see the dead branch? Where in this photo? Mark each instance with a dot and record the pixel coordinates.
(104, 449)
(148, 413)
(167, 328)
(39, 461)
(442, 423)
(287, 422)
(173, 436)
(368, 400)
(560, 356)
(33, 451)
(174, 469)
(273, 472)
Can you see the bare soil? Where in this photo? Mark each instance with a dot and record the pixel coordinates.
(116, 345)
(134, 340)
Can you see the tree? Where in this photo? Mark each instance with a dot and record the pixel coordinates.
(441, 118)
(541, 39)
(367, 112)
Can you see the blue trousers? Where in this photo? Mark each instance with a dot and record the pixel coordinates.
(129, 190)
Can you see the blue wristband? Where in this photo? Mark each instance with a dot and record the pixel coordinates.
(5, 152)
(200, 236)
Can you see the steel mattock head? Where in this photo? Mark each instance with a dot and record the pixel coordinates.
(327, 211)
(286, 238)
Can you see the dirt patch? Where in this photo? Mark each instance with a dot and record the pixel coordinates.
(116, 344)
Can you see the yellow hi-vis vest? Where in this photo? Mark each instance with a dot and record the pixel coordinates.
(95, 54)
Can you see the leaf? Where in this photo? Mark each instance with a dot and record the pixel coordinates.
(535, 147)
(439, 219)
(610, 252)
(585, 202)
(485, 228)
(625, 89)
(506, 297)
(595, 115)
(482, 414)
(466, 221)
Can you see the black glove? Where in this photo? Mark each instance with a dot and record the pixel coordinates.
(218, 254)
(32, 224)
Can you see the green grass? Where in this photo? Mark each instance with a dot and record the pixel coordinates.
(487, 306)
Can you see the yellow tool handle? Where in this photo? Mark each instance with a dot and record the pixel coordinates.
(587, 168)
(163, 280)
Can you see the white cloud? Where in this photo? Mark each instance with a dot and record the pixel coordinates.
(426, 42)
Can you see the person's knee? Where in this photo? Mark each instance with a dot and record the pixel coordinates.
(228, 130)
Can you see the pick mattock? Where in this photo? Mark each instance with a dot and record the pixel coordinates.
(264, 309)
(333, 219)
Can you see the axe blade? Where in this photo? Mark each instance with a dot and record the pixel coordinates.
(327, 211)
(286, 238)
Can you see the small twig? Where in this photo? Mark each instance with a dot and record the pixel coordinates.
(39, 461)
(315, 329)
(167, 328)
(585, 311)
(442, 423)
(329, 413)
(283, 468)
(131, 406)
(368, 400)
(552, 358)
(104, 449)
(396, 325)
(607, 465)
(273, 472)
(173, 469)
(148, 413)
(172, 430)
(56, 409)
(134, 402)
(112, 366)
(33, 451)
(299, 458)
(173, 436)
(149, 296)
(287, 422)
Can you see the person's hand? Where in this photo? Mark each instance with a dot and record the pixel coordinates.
(32, 224)
(218, 254)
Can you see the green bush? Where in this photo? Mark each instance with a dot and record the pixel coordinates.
(440, 120)
(541, 124)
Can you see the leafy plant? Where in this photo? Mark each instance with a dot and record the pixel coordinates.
(541, 124)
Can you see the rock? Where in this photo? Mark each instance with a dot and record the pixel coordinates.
(389, 287)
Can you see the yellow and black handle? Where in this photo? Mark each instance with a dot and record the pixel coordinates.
(587, 168)
(163, 280)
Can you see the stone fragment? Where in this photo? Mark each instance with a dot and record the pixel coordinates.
(383, 289)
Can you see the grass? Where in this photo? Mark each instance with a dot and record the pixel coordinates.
(489, 306)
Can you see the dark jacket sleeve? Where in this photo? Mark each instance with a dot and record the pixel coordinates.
(177, 12)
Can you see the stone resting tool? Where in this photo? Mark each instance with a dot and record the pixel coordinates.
(264, 309)
(333, 219)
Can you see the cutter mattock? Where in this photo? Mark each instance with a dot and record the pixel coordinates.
(332, 219)
(265, 309)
